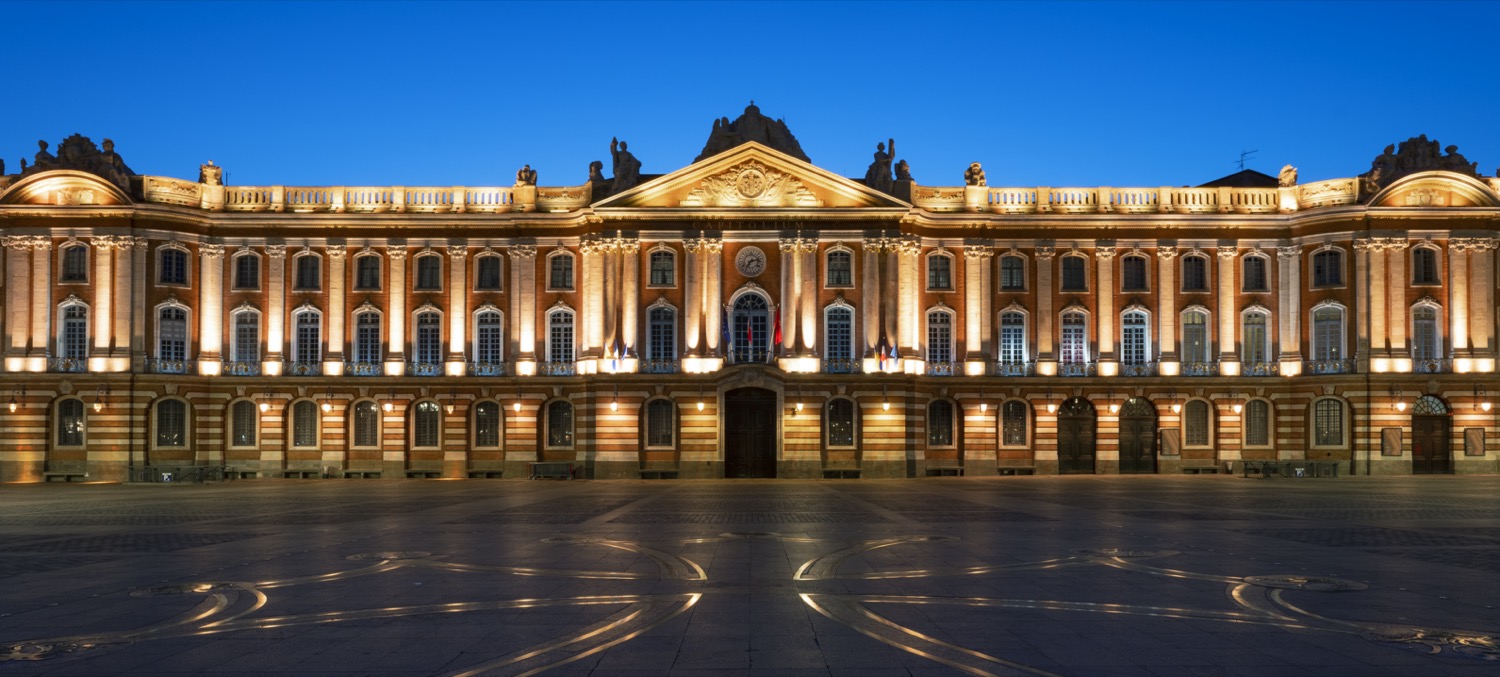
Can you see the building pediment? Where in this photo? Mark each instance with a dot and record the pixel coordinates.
(751, 176)
(1436, 189)
(64, 187)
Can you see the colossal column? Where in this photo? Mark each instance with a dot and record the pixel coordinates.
(1105, 294)
(395, 355)
(1166, 304)
(333, 357)
(791, 265)
(458, 307)
(1395, 305)
(909, 314)
(1482, 297)
(692, 296)
(41, 295)
(974, 293)
(1228, 355)
(1458, 295)
(630, 295)
(1044, 336)
(593, 299)
(138, 306)
(17, 294)
(120, 279)
(870, 296)
(523, 301)
(713, 251)
(808, 296)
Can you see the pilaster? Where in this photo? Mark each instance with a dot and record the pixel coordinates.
(275, 303)
(1482, 299)
(523, 301)
(138, 305)
(458, 307)
(976, 257)
(17, 299)
(211, 305)
(808, 295)
(713, 283)
(1361, 284)
(870, 295)
(1395, 305)
(103, 285)
(120, 278)
(333, 356)
(395, 355)
(791, 266)
(1045, 255)
(692, 297)
(1166, 304)
(630, 298)
(592, 286)
(1289, 300)
(1458, 296)
(1104, 293)
(41, 297)
(1229, 363)
(909, 313)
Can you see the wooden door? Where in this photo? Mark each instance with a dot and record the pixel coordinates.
(750, 433)
(1075, 438)
(1431, 445)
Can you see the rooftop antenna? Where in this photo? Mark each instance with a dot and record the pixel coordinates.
(1244, 154)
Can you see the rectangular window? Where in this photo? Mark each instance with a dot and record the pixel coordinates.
(1012, 273)
(367, 338)
(939, 338)
(1074, 275)
(488, 338)
(561, 276)
(840, 339)
(1255, 274)
(663, 273)
(247, 337)
(429, 273)
(309, 346)
(560, 345)
(1253, 339)
(1074, 339)
(309, 273)
(840, 269)
(663, 334)
(247, 272)
(429, 348)
(75, 266)
(1328, 423)
(939, 272)
(1257, 423)
(1012, 338)
(487, 276)
(367, 273)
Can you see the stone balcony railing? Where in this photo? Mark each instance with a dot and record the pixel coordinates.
(1149, 200)
(366, 199)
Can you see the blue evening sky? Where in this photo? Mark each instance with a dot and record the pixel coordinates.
(1073, 93)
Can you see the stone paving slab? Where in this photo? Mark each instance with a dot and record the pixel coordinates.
(1152, 576)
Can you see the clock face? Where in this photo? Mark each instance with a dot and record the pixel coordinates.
(751, 261)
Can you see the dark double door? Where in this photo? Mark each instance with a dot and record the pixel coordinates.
(1431, 445)
(1075, 438)
(750, 433)
(1138, 438)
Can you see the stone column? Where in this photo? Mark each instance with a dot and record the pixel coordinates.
(211, 307)
(713, 292)
(523, 301)
(1482, 297)
(104, 287)
(41, 296)
(1045, 338)
(1361, 284)
(973, 302)
(870, 296)
(458, 307)
(1458, 295)
(692, 297)
(987, 302)
(791, 263)
(808, 296)
(333, 356)
(609, 264)
(1104, 292)
(909, 312)
(890, 293)
(593, 299)
(1228, 355)
(17, 295)
(1395, 305)
(120, 278)
(275, 303)
(1166, 303)
(1289, 298)
(630, 295)
(138, 304)
(395, 354)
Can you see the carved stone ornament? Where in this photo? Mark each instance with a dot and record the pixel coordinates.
(522, 251)
(751, 126)
(751, 184)
(211, 174)
(751, 261)
(1417, 154)
(1046, 252)
(79, 153)
(974, 175)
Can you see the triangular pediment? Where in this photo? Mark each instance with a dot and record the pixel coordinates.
(751, 176)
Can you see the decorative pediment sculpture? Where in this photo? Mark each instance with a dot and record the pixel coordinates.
(1417, 154)
(78, 152)
(752, 184)
(751, 126)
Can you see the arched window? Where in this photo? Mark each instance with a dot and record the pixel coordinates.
(1075, 340)
(309, 272)
(70, 422)
(75, 263)
(367, 337)
(367, 272)
(1255, 278)
(1013, 420)
(1012, 337)
(663, 268)
(560, 336)
(560, 424)
(366, 424)
(838, 334)
(1328, 333)
(487, 272)
(940, 423)
(171, 334)
(171, 423)
(662, 334)
(1328, 268)
(939, 272)
(1074, 273)
(840, 267)
(660, 426)
(1428, 405)
(428, 343)
(429, 272)
(172, 266)
(750, 329)
(73, 335)
(1424, 267)
(1255, 345)
(1257, 423)
(939, 337)
(246, 271)
(489, 337)
(487, 425)
(1328, 423)
(1427, 339)
(425, 424)
(1195, 347)
(1133, 273)
(1012, 273)
(1195, 423)
(305, 424)
(1194, 273)
(246, 346)
(1135, 338)
(307, 344)
(841, 422)
(243, 424)
(560, 271)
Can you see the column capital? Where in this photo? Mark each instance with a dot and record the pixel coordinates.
(276, 251)
(1365, 244)
(1105, 252)
(691, 246)
(1045, 252)
(713, 246)
(211, 250)
(1166, 252)
(1289, 252)
(458, 251)
(336, 252)
(20, 243)
(1228, 251)
(978, 251)
(908, 246)
(105, 243)
(521, 251)
(1393, 244)
(41, 243)
(627, 246)
(396, 252)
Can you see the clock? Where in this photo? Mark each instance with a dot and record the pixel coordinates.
(751, 261)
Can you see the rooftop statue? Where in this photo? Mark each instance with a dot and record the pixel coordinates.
(596, 171)
(78, 152)
(211, 174)
(526, 176)
(627, 168)
(1288, 177)
(878, 176)
(974, 175)
(1417, 154)
(751, 126)
(903, 171)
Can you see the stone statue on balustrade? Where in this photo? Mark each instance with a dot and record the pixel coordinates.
(1288, 177)
(903, 171)
(44, 160)
(526, 176)
(211, 174)
(78, 152)
(974, 175)
(596, 172)
(627, 168)
(878, 176)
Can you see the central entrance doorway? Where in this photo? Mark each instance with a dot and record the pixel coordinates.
(1075, 437)
(750, 433)
(1431, 437)
(1137, 437)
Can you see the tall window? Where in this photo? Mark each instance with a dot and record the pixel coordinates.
(429, 272)
(1328, 333)
(1074, 274)
(1075, 341)
(940, 423)
(560, 336)
(560, 271)
(487, 424)
(487, 273)
(242, 424)
(489, 339)
(1424, 266)
(840, 269)
(939, 271)
(750, 330)
(1195, 423)
(246, 336)
(307, 348)
(366, 424)
(1426, 341)
(1328, 268)
(1255, 274)
(367, 337)
(424, 426)
(560, 424)
(1195, 336)
(70, 422)
(1135, 338)
(75, 263)
(1012, 273)
(174, 266)
(429, 343)
(171, 334)
(662, 331)
(309, 272)
(841, 422)
(1013, 417)
(1194, 273)
(73, 340)
(1257, 423)
(171, 423)
(663, 268)
(1328, 423)
(838, 338)
(660, 429)
(367, 272)
(1012, 337)
(1254, 346)
(305, 424)
(939, 337)
(247, 271)
(1133, 273)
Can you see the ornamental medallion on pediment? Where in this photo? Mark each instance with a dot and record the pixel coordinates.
(751, 184)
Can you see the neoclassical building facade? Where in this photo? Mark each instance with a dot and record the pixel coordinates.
(748, 315)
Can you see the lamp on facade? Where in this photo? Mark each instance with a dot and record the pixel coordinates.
(614, 404)
(1051, 406)
(390, 402)
(449, 407)
(1176, 406)
(327, 405)
(700, 398)
(265, 404)
(1396, 395)
(885, 399)
(1479, 394)
(1237, 407)
(983, 405)
(14, 405)
(99, 397)
(1114, 407)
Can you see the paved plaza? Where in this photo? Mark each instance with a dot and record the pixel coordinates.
(997, 576)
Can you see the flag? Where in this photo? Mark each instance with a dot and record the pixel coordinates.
(728, 338)
(880, 353)
(778, 326)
